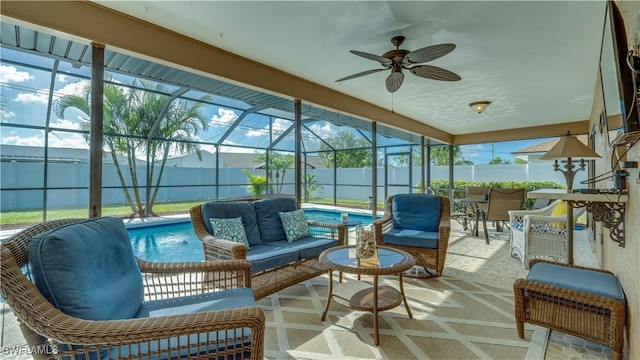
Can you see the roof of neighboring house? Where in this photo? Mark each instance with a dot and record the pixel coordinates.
(246, 161)
(545, 146)
(36, 154)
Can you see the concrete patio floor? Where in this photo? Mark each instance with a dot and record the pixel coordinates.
(468, 257)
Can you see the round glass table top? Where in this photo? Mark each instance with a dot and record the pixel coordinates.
(388, 260)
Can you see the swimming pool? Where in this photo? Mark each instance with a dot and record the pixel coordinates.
(178, 242)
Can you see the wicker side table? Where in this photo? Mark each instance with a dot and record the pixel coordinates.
(361, 295)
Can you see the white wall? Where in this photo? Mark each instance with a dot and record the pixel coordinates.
(68, 183)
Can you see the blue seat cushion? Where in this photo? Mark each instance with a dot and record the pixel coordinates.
(412, 238)
(264, 257)
(416, 211)
(269, 223)
(220, 300)
(587, 281)
(517, 226)
(88, 270)
(308, 247)
(233, 209)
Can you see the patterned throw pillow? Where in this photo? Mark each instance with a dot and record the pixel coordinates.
(230, 229)
(295, 225)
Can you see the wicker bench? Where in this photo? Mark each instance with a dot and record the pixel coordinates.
(576, 300)
(271, 271)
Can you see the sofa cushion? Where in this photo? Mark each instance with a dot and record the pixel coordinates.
(416, 211)
(212, 301)
(295, 225)
(268, 218)
(263, 257)
(412, 238)
(308, 247)
(588, 281)
(232, 209)
(88, 269)
(230, 229)
(219, 300)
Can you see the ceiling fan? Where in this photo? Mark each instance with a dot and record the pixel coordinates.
(399, 59)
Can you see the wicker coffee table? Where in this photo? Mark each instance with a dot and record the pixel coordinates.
(361, 295)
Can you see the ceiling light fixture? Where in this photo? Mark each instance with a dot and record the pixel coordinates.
(480, 106)
(569, 147)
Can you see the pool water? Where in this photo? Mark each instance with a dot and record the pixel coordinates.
(334, 216)
(178, 242)
(166, 243)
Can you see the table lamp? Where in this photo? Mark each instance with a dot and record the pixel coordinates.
(569, 147)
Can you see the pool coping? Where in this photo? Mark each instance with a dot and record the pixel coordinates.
(133, 223)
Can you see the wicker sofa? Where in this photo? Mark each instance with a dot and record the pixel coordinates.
(86, 296)
(276, 262)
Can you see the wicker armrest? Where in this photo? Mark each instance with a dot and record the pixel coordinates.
(221, 249)
(328, 230)
(541, 222)
(168, 280)
(79, 331)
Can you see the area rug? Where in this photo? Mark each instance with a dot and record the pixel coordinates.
(453, 318)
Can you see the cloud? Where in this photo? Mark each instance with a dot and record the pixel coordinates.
(278, 126)
(56, 139)
(225, 116)
(75, 88)
(32, 98)
(323, 129)
(11, 74)
(66, 124)
(62, 78)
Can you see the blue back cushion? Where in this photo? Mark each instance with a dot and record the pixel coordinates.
(269, 221)
(416, 212)
(233, 209)
(88, 270)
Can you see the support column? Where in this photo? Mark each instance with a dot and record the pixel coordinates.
(298, 151)
(374, 170)
(96, 134)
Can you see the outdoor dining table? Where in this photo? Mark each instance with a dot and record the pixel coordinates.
(472, 205)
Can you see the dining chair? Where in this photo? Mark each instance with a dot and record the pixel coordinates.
(475, 203)
(498, 206)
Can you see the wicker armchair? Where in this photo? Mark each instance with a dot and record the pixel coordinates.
(54, 334)
(537, 234)
(427, 257)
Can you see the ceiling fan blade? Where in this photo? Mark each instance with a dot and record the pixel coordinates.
(394, 81)
(434, 73)
(383, 60)
(428, 53)
(360, 74)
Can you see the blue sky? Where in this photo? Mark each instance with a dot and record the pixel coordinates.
(25, 96)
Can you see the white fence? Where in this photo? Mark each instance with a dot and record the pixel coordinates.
(22, 183)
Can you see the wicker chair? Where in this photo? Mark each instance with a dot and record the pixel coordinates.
(536, 234)
(54, 334)
(426, 257)
(564, 300)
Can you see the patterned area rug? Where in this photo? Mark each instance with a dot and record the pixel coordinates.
(452, 319)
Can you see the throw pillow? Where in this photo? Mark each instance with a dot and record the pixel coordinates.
(560, 209)
(230, 229)
(295, 225)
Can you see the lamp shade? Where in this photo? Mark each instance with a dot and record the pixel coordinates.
(570, 147)
(479, 106)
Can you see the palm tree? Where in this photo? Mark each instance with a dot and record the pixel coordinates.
(129, 117)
